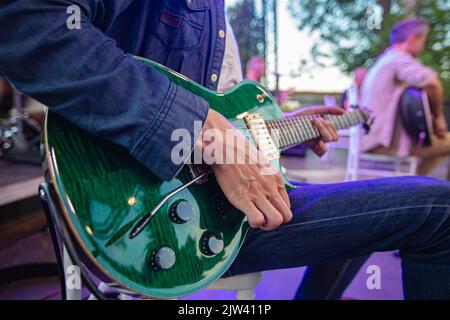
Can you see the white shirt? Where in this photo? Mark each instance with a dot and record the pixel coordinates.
(231, 70)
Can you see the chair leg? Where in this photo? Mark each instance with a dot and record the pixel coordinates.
(398, 169)
(245, 294)
(72, 271)
(353, 156)
(72, 278)
(413, 167)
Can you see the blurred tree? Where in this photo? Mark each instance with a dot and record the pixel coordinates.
(248, 27)
(354, 32)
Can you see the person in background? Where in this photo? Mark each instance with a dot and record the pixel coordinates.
(255, 69)
(359, 75)
(396, 69)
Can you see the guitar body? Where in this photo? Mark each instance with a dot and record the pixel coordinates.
(103, 192)
(415, 114)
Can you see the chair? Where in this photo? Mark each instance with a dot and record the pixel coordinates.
(70, 265)
(389, 165)
(244, 285)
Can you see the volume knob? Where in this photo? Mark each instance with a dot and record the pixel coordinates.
(163, 258)
(212, 244)
(181, 211)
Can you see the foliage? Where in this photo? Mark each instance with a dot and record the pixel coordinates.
(248, 29)
(347, 38)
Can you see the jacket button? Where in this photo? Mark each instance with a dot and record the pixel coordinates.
(222, 34)
(214, 77)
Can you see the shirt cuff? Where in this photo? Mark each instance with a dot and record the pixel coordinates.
(180, 110)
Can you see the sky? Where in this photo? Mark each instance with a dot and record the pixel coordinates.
(294, 45)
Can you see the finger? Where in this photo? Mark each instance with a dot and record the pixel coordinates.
(273, 217)
(315, 111)
(285, 196)
(283, 192)
(255, 217)
(323, 110)
(325, 134)
(332, 132)
(332, 110)
(320, 148)
(280, 204)
(332, 129)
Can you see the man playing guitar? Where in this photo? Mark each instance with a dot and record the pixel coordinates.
(384, 84)
(86, 74)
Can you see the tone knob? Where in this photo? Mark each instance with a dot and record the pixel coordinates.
(181, 211)
(163, 258)
(212, 244)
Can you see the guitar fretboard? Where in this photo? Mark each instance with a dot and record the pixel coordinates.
(288, 132)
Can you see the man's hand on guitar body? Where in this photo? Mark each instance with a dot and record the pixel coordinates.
(262, 197)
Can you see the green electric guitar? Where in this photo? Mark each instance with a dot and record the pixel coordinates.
(163, 239)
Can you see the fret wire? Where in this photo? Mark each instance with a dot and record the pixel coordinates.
(347, 120)
(359, 116)
(297, 129)
(289, 131)
(352, 118)
(339, 123)
(301, 129)
(308, 128)
(335, 121)
(285, 134)
(314, 131)
(304, 129)
(282, 135)
(293, 131)
(356, 116)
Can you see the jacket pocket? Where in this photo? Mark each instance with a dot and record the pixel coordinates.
(181, 24)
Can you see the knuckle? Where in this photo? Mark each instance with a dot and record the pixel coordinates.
(275, 221)
(279, 180)
(256, 222)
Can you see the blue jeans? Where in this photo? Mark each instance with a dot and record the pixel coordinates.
(340, 221)
(329, 280)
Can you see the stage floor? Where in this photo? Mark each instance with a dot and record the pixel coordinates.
(24, 239)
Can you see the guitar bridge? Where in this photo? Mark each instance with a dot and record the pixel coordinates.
(261, 136)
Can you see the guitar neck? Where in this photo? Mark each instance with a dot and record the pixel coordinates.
(292, 131)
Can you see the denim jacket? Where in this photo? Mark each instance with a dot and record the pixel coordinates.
(88, 75)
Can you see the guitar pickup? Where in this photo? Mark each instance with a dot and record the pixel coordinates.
(261, 136)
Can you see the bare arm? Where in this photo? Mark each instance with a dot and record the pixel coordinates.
(435, 92)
